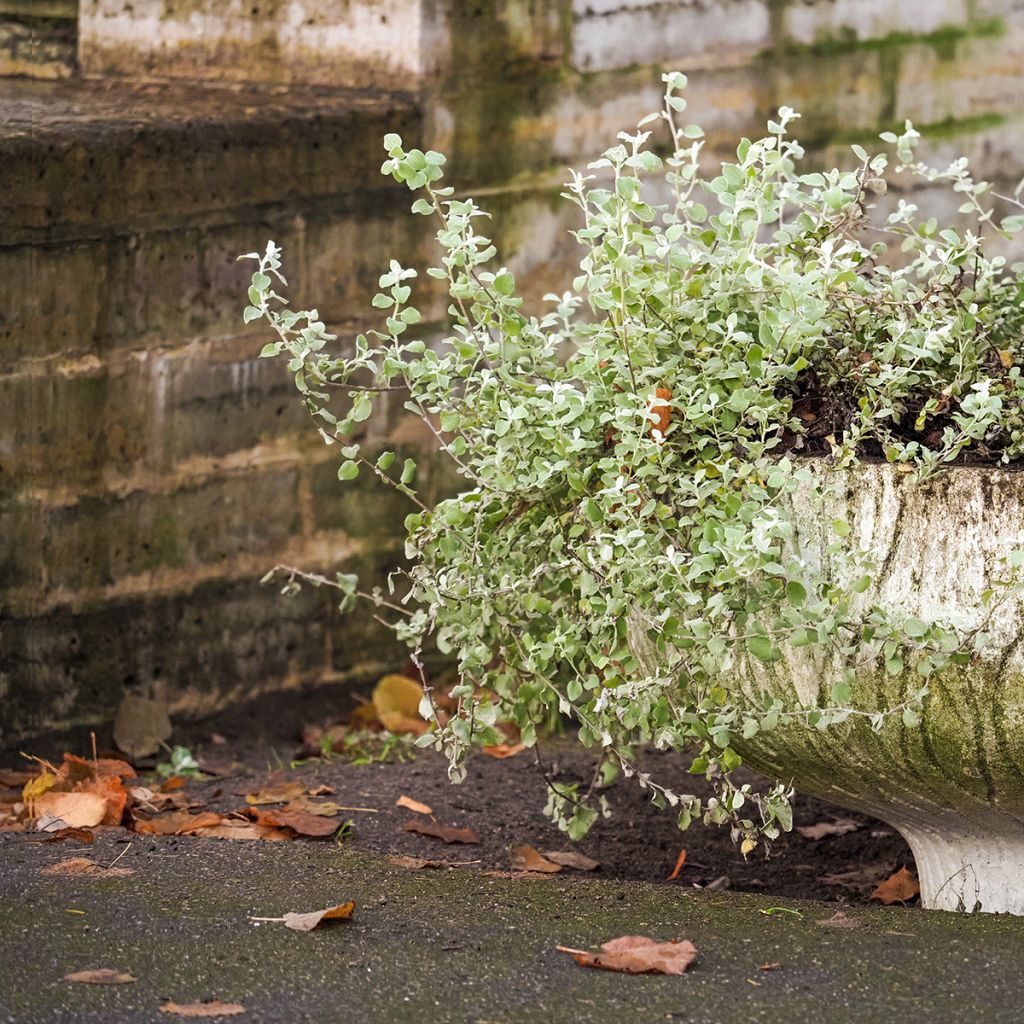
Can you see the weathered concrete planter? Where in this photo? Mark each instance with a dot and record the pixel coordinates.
(954, 784)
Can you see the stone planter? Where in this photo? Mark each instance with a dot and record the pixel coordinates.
(953, 785)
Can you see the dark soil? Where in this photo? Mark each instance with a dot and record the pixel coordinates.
(502, 802)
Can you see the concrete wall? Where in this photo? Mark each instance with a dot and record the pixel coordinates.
(151, 467)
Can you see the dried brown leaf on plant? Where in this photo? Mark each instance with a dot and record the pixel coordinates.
(209, 1008)
(83, 867)
(444, 832)
(76, 810)
(636, 954)
(307, 922)
(526, 858)
(302, 822)
(503, 750)
(824, 829)
(100, 976)
(897, 888)
(413, 805)
(680, 861)
(572, 859)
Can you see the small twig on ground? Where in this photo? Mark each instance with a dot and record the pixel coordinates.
(120, 855)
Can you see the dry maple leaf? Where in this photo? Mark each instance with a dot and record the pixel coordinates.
(307, 922)
(503, 750)
(572, 859)
(100, 976)
(210, 1008)
(302, 822)
(680, 861)
(897, 888)
(526, 858)
(449, 835)
(413, 805)
(76, 810)
(82, 866)
(636, 954)
(823, 829)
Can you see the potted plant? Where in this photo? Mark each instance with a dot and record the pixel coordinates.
(748, 489)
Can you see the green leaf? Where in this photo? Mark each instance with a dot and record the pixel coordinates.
(796, 593)
(348, 471)
(762, 648)
(915, 627)
(504, 283)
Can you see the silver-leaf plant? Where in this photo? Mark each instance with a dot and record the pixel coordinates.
(624, 454)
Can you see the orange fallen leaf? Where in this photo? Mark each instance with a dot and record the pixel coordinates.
(636, 954)
(526, 858)
(82, 866)
(413, 805)
(100, 976)
(304, 823)
(113, 793)
(503, 750)
(897, 888)
(283, 793)
(823, 829)
(235, 828)
(572, 859)
(210, 1008)
(178, 823)
(307, 922)
(171, 784)
(76, 810)
(449, 835)
(77, 769)
(81, 834)
(680, 861)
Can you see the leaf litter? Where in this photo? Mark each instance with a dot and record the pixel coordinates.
(209, 1008)
(637, 954)
(308, 921)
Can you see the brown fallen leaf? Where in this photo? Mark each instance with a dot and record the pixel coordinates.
(503, 750)
(897, 888)
(413, 805)
(326, 808)
(636, 954)
(79, 769)
(82, 866)
(322, 790)
(416, 863)
(823, 829)
(173, 783)
(299, 821)
(282, 793)
(307, 922)
(769, 967)
(859, 879)
(210, 1008)
(76, 810)
(100, 976)
(526, 858)
(237, 829)
(80, 834)
(839, 920)
(680, 861)
(572, 859)
(111, 789)
(178, 823)
(449, 835)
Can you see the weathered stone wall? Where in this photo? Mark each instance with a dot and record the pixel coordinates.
(39, 38)
(151, 468)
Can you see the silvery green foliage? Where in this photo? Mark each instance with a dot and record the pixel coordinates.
(624, 454)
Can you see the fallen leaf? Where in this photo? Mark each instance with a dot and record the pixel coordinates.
(572, 859)
(82, 866)
(141, 726)
(37, 786)
(80, 834)
(680, 861)
(416, 863)
(722, 882)
(234, 828)
(859, 879)
(1005, 358)
(100, 976)
(211, 1008)
(76, 810)
(283, 793)
(80, 769)
(897, 888)
(503, 750)
(299, 821)
(307, 922)
(526, 858)
(178, 823)
(823, 829)
(399, 722)
(449, 835)
(413, 805)
(769, 967)
(326, 808)
(111, 790)
(395, 693)
(839, 920)
(636, 954)
(322, 790)
(171, 784)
